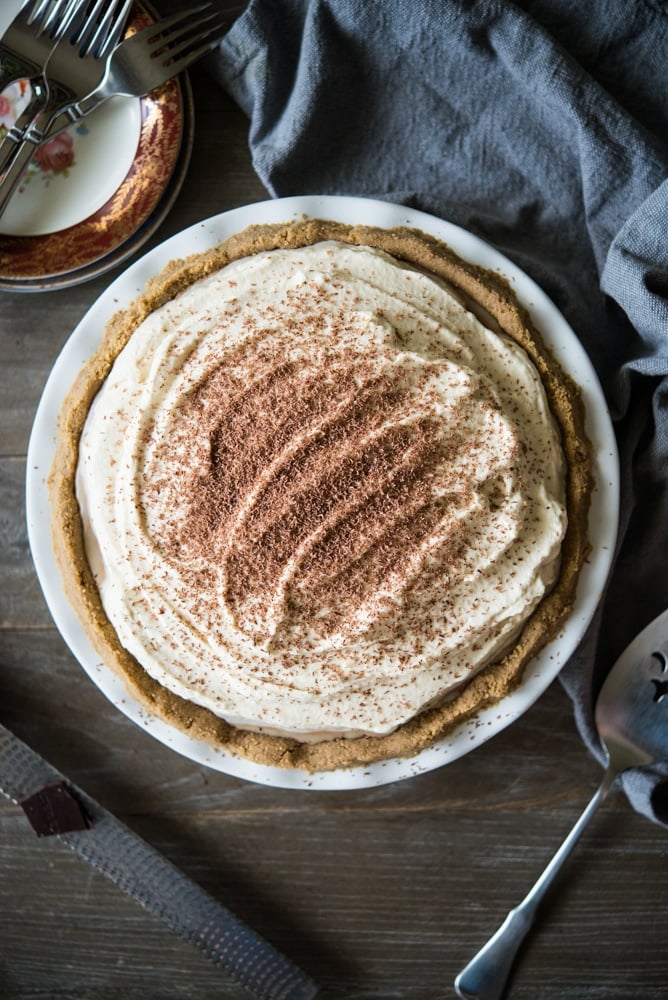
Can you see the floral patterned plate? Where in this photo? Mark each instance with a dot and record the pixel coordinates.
(94, 194)
(76, 172)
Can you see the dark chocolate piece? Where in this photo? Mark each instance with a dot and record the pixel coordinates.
(54, 809)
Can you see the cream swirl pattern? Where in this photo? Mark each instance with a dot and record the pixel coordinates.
(319, 494)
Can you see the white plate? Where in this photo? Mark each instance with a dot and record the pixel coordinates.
(102, 149)
(540, 672)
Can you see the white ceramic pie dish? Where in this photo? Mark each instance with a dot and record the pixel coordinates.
(559, 337)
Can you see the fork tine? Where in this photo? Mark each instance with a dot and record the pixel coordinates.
(185, 54)
(158, 36)
(59, 18)
(168, 26)
(185, 31)
(98, 26)
(86, 21)
(47, 15)
(38, 12)
(117, 30)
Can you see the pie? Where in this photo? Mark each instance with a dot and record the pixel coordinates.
(322, 493)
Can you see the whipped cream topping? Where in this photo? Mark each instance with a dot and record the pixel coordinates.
(319, 494)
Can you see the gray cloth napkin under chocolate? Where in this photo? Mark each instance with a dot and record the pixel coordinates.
(541, 126)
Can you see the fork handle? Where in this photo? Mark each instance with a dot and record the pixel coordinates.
(11, 178)
(485, 976)
(14, 135)
(13, 69)
(16, 154)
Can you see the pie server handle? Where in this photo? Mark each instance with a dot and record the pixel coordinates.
(146, 875)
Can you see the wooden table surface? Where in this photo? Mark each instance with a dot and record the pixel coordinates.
(383, 893)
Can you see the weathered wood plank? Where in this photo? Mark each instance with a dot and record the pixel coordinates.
(21, 601)
(379, 893)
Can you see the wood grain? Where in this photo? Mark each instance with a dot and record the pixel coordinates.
(383, 893)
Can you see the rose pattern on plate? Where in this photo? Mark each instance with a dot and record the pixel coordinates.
(55, 156)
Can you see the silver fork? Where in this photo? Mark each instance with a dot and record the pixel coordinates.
(74, 66)
(151, 57)
(138, 65)
(26, 44)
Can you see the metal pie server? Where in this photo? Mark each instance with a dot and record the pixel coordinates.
(631, 716)
(56, 806)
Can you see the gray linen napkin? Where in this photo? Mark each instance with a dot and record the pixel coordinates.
(542, 126)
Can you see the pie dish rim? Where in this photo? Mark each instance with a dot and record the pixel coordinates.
(603, 516)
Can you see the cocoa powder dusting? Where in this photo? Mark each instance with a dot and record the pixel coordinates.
(316, 482)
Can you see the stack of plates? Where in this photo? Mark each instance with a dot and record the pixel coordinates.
(96, 193)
